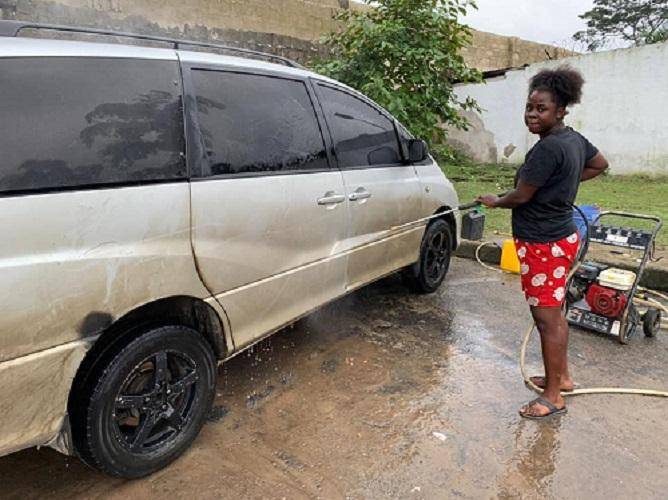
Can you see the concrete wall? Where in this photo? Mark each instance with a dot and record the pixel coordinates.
(489, 51)
(622, 110)
(286, 27)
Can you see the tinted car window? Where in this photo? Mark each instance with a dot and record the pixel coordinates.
(361, 133)
(253, 123)
(71, 122)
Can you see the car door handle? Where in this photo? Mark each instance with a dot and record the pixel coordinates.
(359, 194)
(331, 198)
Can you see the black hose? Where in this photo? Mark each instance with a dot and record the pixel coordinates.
(584, 246)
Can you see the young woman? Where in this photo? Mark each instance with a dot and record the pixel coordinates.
(545, 235)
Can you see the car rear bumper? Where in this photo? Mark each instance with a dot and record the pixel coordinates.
(34, 393)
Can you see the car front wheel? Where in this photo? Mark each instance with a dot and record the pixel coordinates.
(426, 275)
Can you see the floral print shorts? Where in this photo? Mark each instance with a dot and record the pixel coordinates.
(544, 268)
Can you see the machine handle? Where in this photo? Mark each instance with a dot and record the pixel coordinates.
(629, 215)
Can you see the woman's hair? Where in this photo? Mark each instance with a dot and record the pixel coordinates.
(565, 84)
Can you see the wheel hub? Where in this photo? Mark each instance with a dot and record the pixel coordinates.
(145, 419)
(437, 254)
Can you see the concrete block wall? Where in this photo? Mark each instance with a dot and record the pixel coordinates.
(489, 51)
(284, 27)
(290, 28)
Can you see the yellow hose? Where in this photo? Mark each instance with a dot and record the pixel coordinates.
(578, 392)
(477, 257)
(649, 302)
(654, 292)
(591, 390)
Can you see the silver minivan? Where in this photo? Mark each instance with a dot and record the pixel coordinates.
(163, 209)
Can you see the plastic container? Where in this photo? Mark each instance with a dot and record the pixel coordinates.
(590, 212)
(619, 279)
(473, 225)
(509, 260)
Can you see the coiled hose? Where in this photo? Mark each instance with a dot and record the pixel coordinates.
(527, 335)
(590, 390)
(578, 392)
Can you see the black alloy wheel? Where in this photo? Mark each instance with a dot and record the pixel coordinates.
(437, 256)
(155, 401)
(146, 402)
(428, 273)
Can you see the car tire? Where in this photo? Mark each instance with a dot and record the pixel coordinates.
(146, 403)
(427, 274)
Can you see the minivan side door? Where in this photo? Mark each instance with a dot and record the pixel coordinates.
(383, 191)
(268, 212)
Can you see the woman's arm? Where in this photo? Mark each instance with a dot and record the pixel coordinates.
(518, 196)
(594, 167)
(524, 192)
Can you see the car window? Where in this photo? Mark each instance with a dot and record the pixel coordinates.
(71, 122)
(362, 135)
(255, 123)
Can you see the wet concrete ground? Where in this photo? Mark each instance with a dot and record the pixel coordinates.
(385, 394)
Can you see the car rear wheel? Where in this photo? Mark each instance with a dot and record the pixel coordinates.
(426, 275)
(147, 403)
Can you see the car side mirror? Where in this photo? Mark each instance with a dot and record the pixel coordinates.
(417, 150)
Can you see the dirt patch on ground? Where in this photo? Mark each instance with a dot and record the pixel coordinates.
(385, 394)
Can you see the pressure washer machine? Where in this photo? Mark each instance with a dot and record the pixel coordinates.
(601, 298)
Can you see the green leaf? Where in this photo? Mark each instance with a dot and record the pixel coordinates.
(405, 54)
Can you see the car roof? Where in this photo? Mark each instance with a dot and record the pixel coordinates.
(40, 47)
(45, 47)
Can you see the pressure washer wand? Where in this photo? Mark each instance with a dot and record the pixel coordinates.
(466, 206)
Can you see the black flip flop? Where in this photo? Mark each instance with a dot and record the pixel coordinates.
(553, 410)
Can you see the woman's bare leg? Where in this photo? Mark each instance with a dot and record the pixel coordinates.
(553, 330)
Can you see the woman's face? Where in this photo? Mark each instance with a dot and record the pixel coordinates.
(542, 114)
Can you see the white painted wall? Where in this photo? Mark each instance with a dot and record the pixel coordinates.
(623, 111)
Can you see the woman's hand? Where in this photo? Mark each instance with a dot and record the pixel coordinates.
(518, 196)
(489, 200)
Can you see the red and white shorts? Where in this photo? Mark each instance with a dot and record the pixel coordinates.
(544, 268)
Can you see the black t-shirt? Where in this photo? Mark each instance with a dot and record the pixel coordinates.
(554, 165)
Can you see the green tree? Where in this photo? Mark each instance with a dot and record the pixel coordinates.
(637, 22)
(406, 55)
